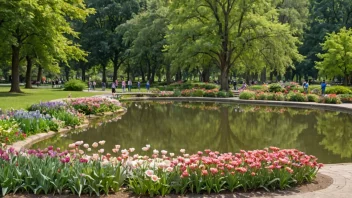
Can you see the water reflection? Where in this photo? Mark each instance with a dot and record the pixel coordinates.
(225, 128)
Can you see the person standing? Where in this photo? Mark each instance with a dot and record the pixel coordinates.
(103, 85)
(323, 86)
(139, 86)
(148, 86)
(129, 85)
(123, 85)
(89, 85)
(235, 85)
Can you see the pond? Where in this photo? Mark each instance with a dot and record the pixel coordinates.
(221, 127)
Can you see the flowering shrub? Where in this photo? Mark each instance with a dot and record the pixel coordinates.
(312, 98)
(197, 93)
(96, 105)
(32, 122)
(330, 99)
(346, 98)
(9, 130)
(276, 87)
(166, 93)
(247, 95)
(211, 93)
(296, 96)
(60, 111)
(77, 171)
(263, 88)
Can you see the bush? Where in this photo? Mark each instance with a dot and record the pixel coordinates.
(197, 93)
(261, 96)
(346, 98)
(297, 97)
(222, 94)
(338, 90)
(275, 88)
(278, 96)
(316, 91)
(155, 90)
(247, 95)
(312, 98)
(330, 99)
(210, 93)
(258, 88)
(177, 93)
(230, 94)
(74, 85)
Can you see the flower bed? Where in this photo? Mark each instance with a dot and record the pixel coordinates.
(86, 170)
(90, 106)
(346, 98)
(294, 96)
(16, 125)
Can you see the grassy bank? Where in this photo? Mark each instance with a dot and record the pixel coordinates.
(32, 96)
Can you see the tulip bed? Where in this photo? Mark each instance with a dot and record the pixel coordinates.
(16, 125)
(85, 169)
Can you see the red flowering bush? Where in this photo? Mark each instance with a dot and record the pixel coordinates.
(330, 99)
(346, 98)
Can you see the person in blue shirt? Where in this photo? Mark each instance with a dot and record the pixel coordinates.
(323, 86)
(306, 86)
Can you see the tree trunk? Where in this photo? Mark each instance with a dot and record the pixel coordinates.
(40, 73)
(206, 75)
(29, 73)
(67, 73)
(345, 79)
(116, 66)
(104, 73)
(224, 79)
(263, 75)
(15, 73)
(168, 74)
(83, 68)
(178, 75)
(142, 72)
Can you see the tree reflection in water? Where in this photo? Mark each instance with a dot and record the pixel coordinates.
(223, 127)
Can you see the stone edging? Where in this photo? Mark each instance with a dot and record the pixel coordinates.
(311, 105)
(33, 139)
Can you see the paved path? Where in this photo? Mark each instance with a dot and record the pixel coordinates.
(341, 187)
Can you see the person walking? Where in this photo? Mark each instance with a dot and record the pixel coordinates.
(94, 85)
(323, 86)
(306, 86)
(139, 86)
(123, 85)
(113, 89)
(235, 85)
(129, 85)
(148, 86)
(103, 85)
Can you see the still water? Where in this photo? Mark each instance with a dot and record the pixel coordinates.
(222, 127)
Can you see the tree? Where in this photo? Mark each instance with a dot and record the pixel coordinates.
(100, 36)
(145, 34)
(337, 59)
(326, 16)
(232, 33)
(24, 20)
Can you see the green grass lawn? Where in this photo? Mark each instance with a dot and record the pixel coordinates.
(31, 96)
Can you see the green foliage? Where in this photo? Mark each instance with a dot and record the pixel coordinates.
(210, 93)
(346, 98)
(337, 59)
(177, 93)
(258, 88)
(247, 95)
(275, 87)
(74, 85)
(222, 94)
(312, 98)
(257, 34)
(10, 131)
(230, 94)
(330, 99)
(297, 97)
(197, 93)
(338, 90)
